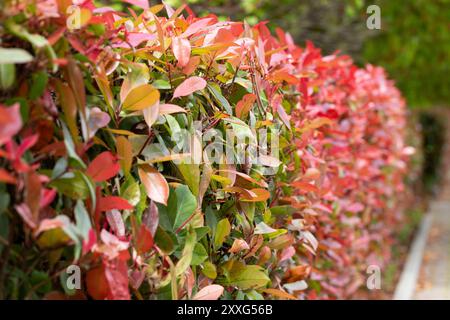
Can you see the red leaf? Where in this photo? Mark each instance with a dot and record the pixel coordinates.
(103, 167)
(304, 186)
(144, 240)
(91, 241)
(112, 202)
(189, 86)
(96, 283)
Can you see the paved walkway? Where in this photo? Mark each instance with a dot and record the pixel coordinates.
(434, 276)
(426, 274)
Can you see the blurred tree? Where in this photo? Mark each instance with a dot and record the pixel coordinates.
(414, 47)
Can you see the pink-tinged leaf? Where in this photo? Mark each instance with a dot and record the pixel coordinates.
(10, 122)
(136, 278)
(113, 202)
(48, 224)
(97, 119)
(103, 167)
(211, 292)
(24, 211)
(112, 246)
(189, 86)
(134, 39)
(245, 105)
(115, 221)
(139, 3)
(169, 9)
(155, 184)
(168, 108)
(182, 50)
(312, 174)
(284, 116)
(239, 245)
(150, 218)
(151, 114)
(116, 273)
(287, 253)
(355, 207)
(6, 177)
(196, 26)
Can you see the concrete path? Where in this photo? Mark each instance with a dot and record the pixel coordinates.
(426, 273)
(434, 277)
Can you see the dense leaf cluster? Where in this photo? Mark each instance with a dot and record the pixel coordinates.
(94, 111)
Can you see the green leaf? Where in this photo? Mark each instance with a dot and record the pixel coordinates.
(38, 83)
(72, 184)
(191, 175)
(130, 191)
(199, 255)
(186, 256)
(82, 219)
(164, 241)
(262, 228)
(220, 99)
(247, 277)
(70, 146)
(7, 76)
(14, 56)
(222, 231)
(209, 270)
(180, 206)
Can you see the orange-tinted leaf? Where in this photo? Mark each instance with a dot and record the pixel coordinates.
(261, 195)
(96, 283)
(125, 153)
(144, 240)
(305, 186)
(155, 184)
(245, 105)
(239, 245)
(279, 293)
(140, 98)
(6, 177)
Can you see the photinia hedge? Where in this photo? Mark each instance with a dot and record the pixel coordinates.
(153, 154)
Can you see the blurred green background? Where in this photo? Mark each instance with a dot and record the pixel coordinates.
(413, 43)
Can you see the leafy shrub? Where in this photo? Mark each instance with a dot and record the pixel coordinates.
(92, 119)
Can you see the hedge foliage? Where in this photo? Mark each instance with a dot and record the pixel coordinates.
(92, 116)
